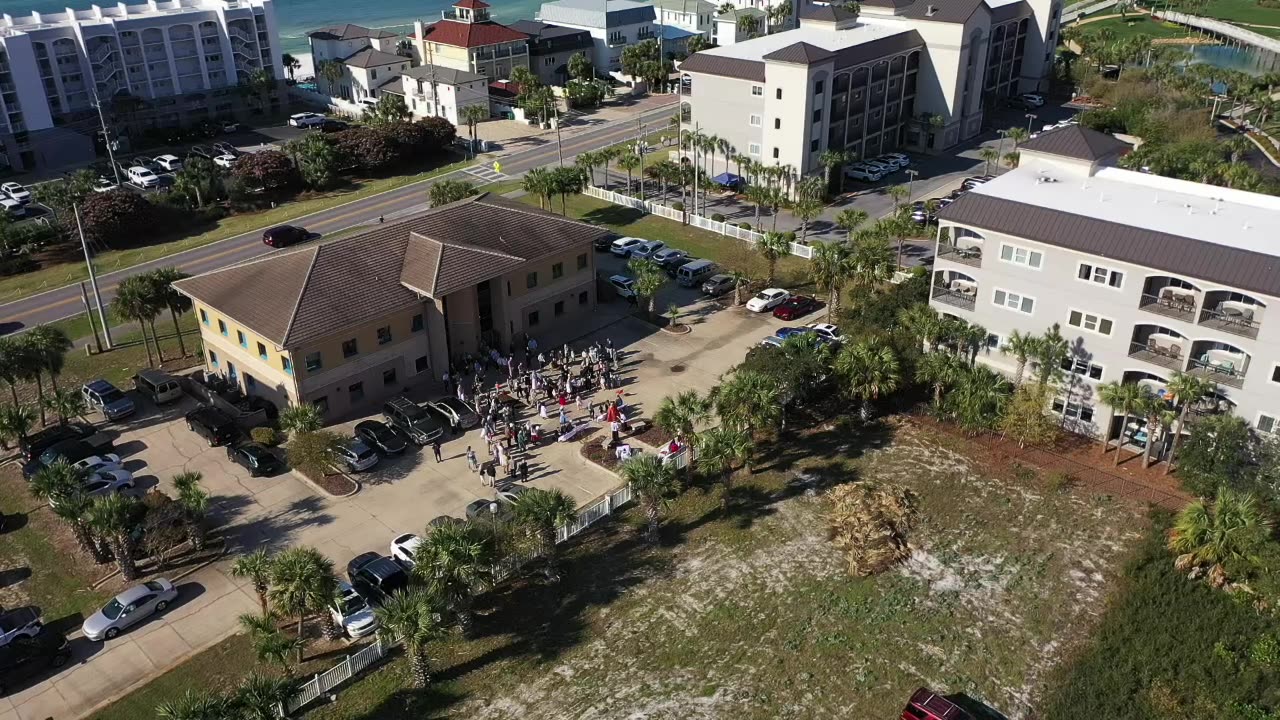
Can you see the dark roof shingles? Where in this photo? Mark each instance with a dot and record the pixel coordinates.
(348, 32)
(801, 53)
(1076, 142)
(724, 66)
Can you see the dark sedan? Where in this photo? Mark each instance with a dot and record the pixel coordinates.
(284, 236)
(379, 435)
(795, 306)
(259, 461)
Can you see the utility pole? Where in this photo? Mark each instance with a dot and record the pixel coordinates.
(106, 140)
(911, 181)
(88, 311)
(640, 150)
(555, 110)
(93, 278)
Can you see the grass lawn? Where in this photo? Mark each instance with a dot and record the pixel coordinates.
(1241, 11)
(727, 252)
(1136, 25)
(26, 284)
(219, 668)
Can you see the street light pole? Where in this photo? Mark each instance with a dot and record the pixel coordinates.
(911, 181)
(93, 278)
(111, 151)
(1031, 117)
(1000, 147)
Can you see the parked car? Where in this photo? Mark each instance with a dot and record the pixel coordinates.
(602, 243)
(973, 182)
(827, 331)
(157, 386)
(895, 162)
(306, 119)
(795, 306)
(19, 622)
(1032, 100)
(226, 148)
(772, 341)
(483, 509)
(12, 208)
(352, 612)
(129, 608)
(717, 285)
(403, 548)
(258, 460)
(672, 268)
(103, 184)
(103, 482)
(668, 256)
(29, 655)
(379, 435)
(201, 151)
(357, 456)
(411, 419)
(786, 332)
(920, 214)
(880, 167)
(459, 413)
(107, 399)
(331, 126)
(212, 424)
(767, 299)
(284, 235)
(144, 162)
(98, 462)
(903, 161)
(863, 173)
(647, 249)
(35, 444)
(225, 161)
(170, 163)
(510, 493)
(229, 127)
(928, 705)
(69, 451)
(142, 177)
(16, 191)
(376, 577)
(622, 247)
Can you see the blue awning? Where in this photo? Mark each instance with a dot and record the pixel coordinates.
(727, 179)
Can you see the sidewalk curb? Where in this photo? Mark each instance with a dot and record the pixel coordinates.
(325, 493)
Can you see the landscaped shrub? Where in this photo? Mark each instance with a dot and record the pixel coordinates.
(1061, 481)
(116, 216)
(717, 217)
(677, 206)
(264, 436)
(789, 235)
(270, 170)
(745, 225)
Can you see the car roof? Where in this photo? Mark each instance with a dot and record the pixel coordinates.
(373, 425)
(166, 157)
(620, 278)
(627, 238)
(132, 594)
(99, 385)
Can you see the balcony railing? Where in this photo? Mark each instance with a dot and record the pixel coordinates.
(955, 298)
(1167, 357)
(971, 256)
(102, 53)
(1218, 371)
(1168, 306)
(1231, 320)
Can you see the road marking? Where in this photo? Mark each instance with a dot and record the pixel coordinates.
(485, 173)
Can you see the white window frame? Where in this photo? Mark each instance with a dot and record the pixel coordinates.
(1025, 262)
(1077, 362)
(1000, 342)
(755, 120)
(753, 149)
(1066, 405)
(1093, 274)
(757, 91)
(1275, 424)
(1098, 320)
(1006, 305)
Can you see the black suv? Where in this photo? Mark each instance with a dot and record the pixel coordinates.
(25, 657)
(34, 445)
(255, 458)
(70, 451)
(376, 577)
(284, 235)
(213, 425)
(420, 424)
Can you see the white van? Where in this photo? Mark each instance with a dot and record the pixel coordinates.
(143, 177)
(159, 386)
(694, 273)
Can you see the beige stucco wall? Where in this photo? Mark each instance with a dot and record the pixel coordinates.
(271, 376)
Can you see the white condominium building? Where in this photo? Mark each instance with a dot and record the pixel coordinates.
(1145, 275)
(175, 60)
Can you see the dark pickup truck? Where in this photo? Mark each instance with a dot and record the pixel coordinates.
(71, 451)
(36, 444)
(212, 424)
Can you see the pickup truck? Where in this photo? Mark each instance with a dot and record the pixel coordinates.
(212, 424)
(70, 451)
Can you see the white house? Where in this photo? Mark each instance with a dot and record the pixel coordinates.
(613, 24)
(432, 91)
(367, 59)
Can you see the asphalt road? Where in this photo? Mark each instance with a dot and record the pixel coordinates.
(66, 301)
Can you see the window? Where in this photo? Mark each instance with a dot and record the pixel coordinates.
(1014, 301)
(817, 87)
(559, 308)
(1083, 368)
(286, 365)
(753, 149)
(1021, 256)
(389, 377)
(1266, 424)
(582, 261)
(533, 318)
(204, 316)
(322, 404)
(755, 120)
(222, 328)
(262, 351)
(249, 382)
(813, 145)
(582, 298)
(817, 115)
(349, 348)
(777, 123)
(779, 94)
(1100, 275)
(312, 362)
(531, 280)
(557, 271)
(775, 153)
(994, 341)
(1275, 373)
(1090, 322)
(357, 391)
(241, 339)
(758, 90)
(213, 358)
(420, 365)
(417, 323)
(1074, 410)
(384, 334)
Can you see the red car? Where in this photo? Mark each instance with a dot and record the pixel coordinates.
(925, 704)
(794, 307)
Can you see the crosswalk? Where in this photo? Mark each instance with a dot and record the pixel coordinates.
(486, 173)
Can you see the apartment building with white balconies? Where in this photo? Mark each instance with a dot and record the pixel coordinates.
(166, 62)
(1146, 276)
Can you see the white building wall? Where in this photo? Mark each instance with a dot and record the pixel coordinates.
(724, 107)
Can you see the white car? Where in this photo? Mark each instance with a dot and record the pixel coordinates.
(881, 167)
(102, 482)
(12, 207)
(402, 549)
(225, 161)
(352, 612)
(142, 177)
(902, 160)
(17, 192)
(98, 462)
(826, 330)
(646, 250)
(1032, 99)
(624, 286)
(622, 247)
(891, 162)
(767, 299)
(863, 173)
(172, 163)
(104, 185)
(306, 119)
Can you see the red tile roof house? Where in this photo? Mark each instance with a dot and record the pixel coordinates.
(466, 39)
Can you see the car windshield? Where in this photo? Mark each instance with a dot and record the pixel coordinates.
(51, 456)
(352, 604)
(764, 296)
(112, 395)
(364, 454)
(113, 609)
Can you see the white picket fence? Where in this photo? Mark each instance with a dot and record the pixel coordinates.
(727, 229)
(322, 683)
(1226, 29)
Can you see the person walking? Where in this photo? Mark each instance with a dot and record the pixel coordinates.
(435, 448)
(472, 464)
(522, 439)
(493, 475)
(524, 471)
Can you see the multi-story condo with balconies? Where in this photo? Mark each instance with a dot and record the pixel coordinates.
(163, 63)
(898, 74)
(466, 38)
(1146, 276)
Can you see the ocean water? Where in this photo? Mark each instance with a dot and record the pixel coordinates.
(298, 17)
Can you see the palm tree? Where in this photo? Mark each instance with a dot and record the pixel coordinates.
(832, 161)
(15, 423)
(301, 418)
(630, 161)
(1232, 528)
(1018, 135)
(135, 300)
(114, 518)
(174, 301)
(259, 696)
(302, 582)
(454, 562)
(195, 704)
(939, 369)
(1123, 397)
(60, 484)
(681, 414)
(541, 512)
(871, 369)
(269, 644)
(850, 220)
(50, 345)
(772, 247)
(978, 398)
(588, 161)
(1187, 390)
(65, 404)
(195, 505)
(472, 115)
(11, 363)
(538, 182)
(411, 617)
(740, 281)
(808, 204)
(1022, 346)
(256, 568)
(989, 155)
(721, 450)
(829, 269)
(750, 401)
(653, 484)
(1051, 352)
(922, 322)
(29, 366)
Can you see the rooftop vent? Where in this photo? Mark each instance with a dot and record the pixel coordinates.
(930, 11)
(1046, 179)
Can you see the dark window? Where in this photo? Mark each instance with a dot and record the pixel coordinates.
(286, 365)
(777, 123)
(559, 309)
(420, 365)
(417, 323)
(349, 348)
(222, 328)
(775, 153)
(531, 280)
(582, 300)
(313, 362)
(817, 87)
(779, 93)
(582, 261)
(213, 358)
(384, 334)
(557, 271)
(813, 145)
(322, 404)
(389, 377)
(357, 391)
(262, 351)
(204, 317)
(240, 338)
(817, 115)
(533, 318)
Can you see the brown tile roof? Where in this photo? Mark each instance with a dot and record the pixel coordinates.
(948, 11)
(1010, 11)
(826, 13)
(368, 57)
(299, 296)
(1170, 253)
(348, 32)
(469, 35)
(801, 53)
(876, 49)
(1076, 142)
(724, 66)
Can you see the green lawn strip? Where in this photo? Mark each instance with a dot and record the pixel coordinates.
(219, 668)
(26, 284)
(1168, 647)
(1136, 25)
(727, 252)
(1240, 11)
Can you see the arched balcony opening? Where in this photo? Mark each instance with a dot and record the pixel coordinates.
(961, 245)
(1159, 345)
(1232, 312)
(955, 288)
(1219, 361)
(1170, 296)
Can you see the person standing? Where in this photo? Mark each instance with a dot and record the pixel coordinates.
(493, 474)
(472, 463)
(614, 427)
(524, 471)
(435, 448)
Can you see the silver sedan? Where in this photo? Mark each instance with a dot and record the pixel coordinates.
(129, 608)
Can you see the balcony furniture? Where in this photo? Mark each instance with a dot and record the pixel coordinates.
(1223, 366)
(1178, 299)
(969, 253)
